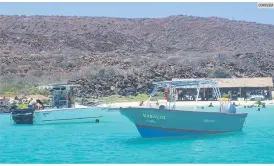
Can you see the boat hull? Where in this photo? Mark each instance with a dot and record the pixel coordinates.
(79, 115)
(66, 115)
(171, 123)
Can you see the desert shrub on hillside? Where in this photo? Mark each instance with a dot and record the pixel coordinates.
(219, 72)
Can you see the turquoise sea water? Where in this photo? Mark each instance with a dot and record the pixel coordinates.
(116, 140)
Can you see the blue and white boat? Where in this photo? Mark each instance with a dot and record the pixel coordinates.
(167, 121)
(63, 109)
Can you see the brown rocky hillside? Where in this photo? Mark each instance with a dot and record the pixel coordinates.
(123, 56)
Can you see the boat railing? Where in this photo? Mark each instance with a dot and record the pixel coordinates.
(173, 85)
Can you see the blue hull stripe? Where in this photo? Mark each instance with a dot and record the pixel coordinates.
(148, 132)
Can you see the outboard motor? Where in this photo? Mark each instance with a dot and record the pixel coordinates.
(23, 116)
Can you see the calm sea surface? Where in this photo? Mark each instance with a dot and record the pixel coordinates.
(116, 140)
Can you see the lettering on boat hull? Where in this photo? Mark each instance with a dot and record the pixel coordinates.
(150, 121)
(209, 121)
(152, 116)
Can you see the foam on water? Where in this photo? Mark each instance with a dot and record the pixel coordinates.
(116, 140)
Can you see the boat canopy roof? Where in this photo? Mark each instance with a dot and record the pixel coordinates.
(175, 84)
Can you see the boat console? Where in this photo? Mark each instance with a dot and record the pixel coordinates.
(61, 96)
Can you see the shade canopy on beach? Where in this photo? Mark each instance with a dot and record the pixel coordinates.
(237, 82)
(186, 83)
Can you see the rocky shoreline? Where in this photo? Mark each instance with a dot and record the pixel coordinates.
(239, 65)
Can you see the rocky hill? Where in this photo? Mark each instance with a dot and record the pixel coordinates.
(123, 56)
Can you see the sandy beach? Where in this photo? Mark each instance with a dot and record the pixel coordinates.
(188, 103)
(161, 102)
(11, 97)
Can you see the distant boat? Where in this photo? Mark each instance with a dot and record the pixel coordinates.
(167, 121)
(63, 109)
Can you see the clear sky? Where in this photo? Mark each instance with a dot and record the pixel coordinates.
(236, 11)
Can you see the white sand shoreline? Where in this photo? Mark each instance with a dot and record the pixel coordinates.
(188, 103)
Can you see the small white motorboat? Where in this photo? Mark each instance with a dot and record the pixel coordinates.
(62, 110)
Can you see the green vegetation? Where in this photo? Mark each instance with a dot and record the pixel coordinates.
(138, 98)
(118, 99)
(15, 89)
(259, 103)
(159, 96)
(219, 72)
